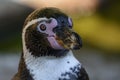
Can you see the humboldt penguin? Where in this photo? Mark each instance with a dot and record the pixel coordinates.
(48, 40)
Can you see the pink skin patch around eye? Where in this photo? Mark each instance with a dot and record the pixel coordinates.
(70, 21)
(54, 43)
(51, 35)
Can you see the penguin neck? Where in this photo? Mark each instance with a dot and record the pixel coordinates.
(37, 66)
(29, 56)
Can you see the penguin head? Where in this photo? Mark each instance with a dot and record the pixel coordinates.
(49, 28)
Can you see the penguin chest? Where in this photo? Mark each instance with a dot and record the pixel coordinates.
(50, 68)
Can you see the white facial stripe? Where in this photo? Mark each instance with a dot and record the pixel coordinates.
(33, 22)
(28, 25)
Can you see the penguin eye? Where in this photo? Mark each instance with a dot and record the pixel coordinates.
(42, 27)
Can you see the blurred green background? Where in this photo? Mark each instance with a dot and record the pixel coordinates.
(97, 22)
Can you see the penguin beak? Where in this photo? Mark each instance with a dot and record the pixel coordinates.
(67, 38)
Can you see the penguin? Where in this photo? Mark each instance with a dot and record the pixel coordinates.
(48, 40)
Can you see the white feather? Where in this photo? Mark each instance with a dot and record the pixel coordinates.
(49, 67)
